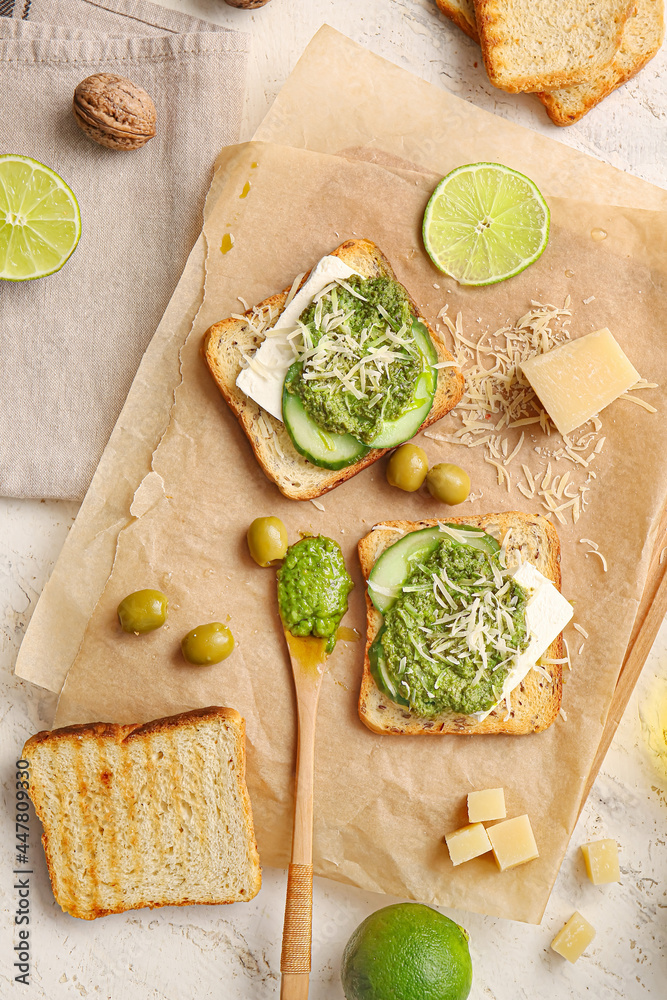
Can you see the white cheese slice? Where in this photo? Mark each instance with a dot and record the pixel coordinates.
(547, 614)
(263, 379)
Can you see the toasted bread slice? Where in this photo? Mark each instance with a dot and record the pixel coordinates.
(530, 45)
(535, 702)
(462, 13)
(642, 37)
(145, 815)
(226, 342)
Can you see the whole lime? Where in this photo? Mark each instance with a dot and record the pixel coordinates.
(407, 951)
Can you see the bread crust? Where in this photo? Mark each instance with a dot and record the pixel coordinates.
(294, 475)
(79, 899)
(508, 28)
(462, 13)
(642, 37)
(535, 702)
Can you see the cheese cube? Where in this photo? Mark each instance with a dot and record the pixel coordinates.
(467, 843)
(578, 379)
(601, 857)
(486, 805)
(574, 938)
(513, 842)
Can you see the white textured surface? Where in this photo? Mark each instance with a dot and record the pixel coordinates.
(234, 952)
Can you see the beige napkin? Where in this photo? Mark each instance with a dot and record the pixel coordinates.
(71, 343)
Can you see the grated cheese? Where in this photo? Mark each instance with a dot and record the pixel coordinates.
(594, 552)
(316, 503)
(567, 654)
(638, 401)
(580, 629)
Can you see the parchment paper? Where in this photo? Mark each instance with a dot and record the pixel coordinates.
(382, 803)
(339, 97)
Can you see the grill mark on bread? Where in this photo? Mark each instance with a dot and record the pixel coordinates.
(154, 865)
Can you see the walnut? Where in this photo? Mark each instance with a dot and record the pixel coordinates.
(114, 111)
(246, 4)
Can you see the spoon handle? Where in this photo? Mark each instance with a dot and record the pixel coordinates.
(297, 931)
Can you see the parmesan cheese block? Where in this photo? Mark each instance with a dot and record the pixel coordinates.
(513, 842)
(486, 805)
(574, 938)
(578, 379)
(601, 859)
(467, 843)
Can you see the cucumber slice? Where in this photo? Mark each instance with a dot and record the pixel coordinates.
(395, 432)
(380, 672)
(329, 451)
(395, 564)
(423, 338)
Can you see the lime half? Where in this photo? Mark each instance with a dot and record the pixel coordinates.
(40, 222)
(484, 223)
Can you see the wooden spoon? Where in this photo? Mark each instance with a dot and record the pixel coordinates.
(308, 656)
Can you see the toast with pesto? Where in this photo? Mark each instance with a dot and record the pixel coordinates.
(229, 347)
(145, 815)
(533, 704)
(534, 46)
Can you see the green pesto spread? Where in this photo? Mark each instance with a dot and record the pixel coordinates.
(313, 585)
(360, 363)
(454, 632)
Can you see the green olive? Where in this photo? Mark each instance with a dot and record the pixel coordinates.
(267, 540)
(207, 644)
(142, 611)
(448, 483)
(407, 468)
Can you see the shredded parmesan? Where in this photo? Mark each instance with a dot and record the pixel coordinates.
(638, 401)
(602, 559)
(316, 503)
(499, 408)
(567, 654)
(580, 629)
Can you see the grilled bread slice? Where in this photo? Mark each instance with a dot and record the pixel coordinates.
(642, 37)
(536, 701)
(462, 13)
(145, 815)
(530, 45)
(225, 345)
